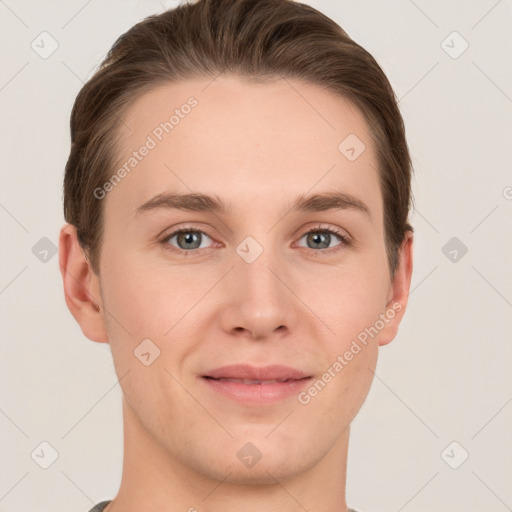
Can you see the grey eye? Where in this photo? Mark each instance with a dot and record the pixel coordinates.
(188, 239)
(320, 239)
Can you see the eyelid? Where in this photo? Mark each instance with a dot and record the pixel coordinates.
(165, 239)
(344, 237)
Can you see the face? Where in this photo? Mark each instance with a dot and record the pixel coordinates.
(263, 281)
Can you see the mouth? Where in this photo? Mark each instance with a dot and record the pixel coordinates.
(251, 386)
(253, 374)
(255, 381)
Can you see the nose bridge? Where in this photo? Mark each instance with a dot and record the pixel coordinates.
(256, 267)
(259, 300)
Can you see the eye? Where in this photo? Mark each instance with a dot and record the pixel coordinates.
(187, 240)
(320, 238)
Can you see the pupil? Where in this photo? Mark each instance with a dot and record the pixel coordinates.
(317, 239)
(189, 239)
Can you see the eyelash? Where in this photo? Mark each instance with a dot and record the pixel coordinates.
(344, 239)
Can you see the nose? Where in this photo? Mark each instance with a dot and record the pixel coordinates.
(259, 303)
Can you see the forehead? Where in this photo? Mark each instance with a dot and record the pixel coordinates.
(244, 140)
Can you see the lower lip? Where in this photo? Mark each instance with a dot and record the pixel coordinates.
(257, 394)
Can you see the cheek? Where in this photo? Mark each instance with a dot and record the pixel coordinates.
(346, 300)
(149, 298)
(349, 306)
(146, 301)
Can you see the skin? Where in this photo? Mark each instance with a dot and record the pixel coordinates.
(257, 146)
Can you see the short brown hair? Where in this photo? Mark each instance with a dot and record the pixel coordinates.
(258, 39)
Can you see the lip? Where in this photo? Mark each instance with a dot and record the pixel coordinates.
(256, 393)
(245, 371)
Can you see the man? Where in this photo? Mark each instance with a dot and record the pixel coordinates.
(240, 240)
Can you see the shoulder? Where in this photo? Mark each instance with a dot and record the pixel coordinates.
(101, 506)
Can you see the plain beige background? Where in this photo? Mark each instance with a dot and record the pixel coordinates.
(442, 389)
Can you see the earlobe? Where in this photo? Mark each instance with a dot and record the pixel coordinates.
(81, 286)
(399, 292)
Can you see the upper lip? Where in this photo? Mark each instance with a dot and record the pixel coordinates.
(245, 371)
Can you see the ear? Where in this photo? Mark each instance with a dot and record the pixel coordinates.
(399, 291)
(81, 286)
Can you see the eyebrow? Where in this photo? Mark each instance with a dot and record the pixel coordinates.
(197, 202)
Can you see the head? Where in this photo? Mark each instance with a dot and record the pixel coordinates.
(260, 106)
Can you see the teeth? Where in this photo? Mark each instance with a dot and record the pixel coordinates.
(249, 381)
